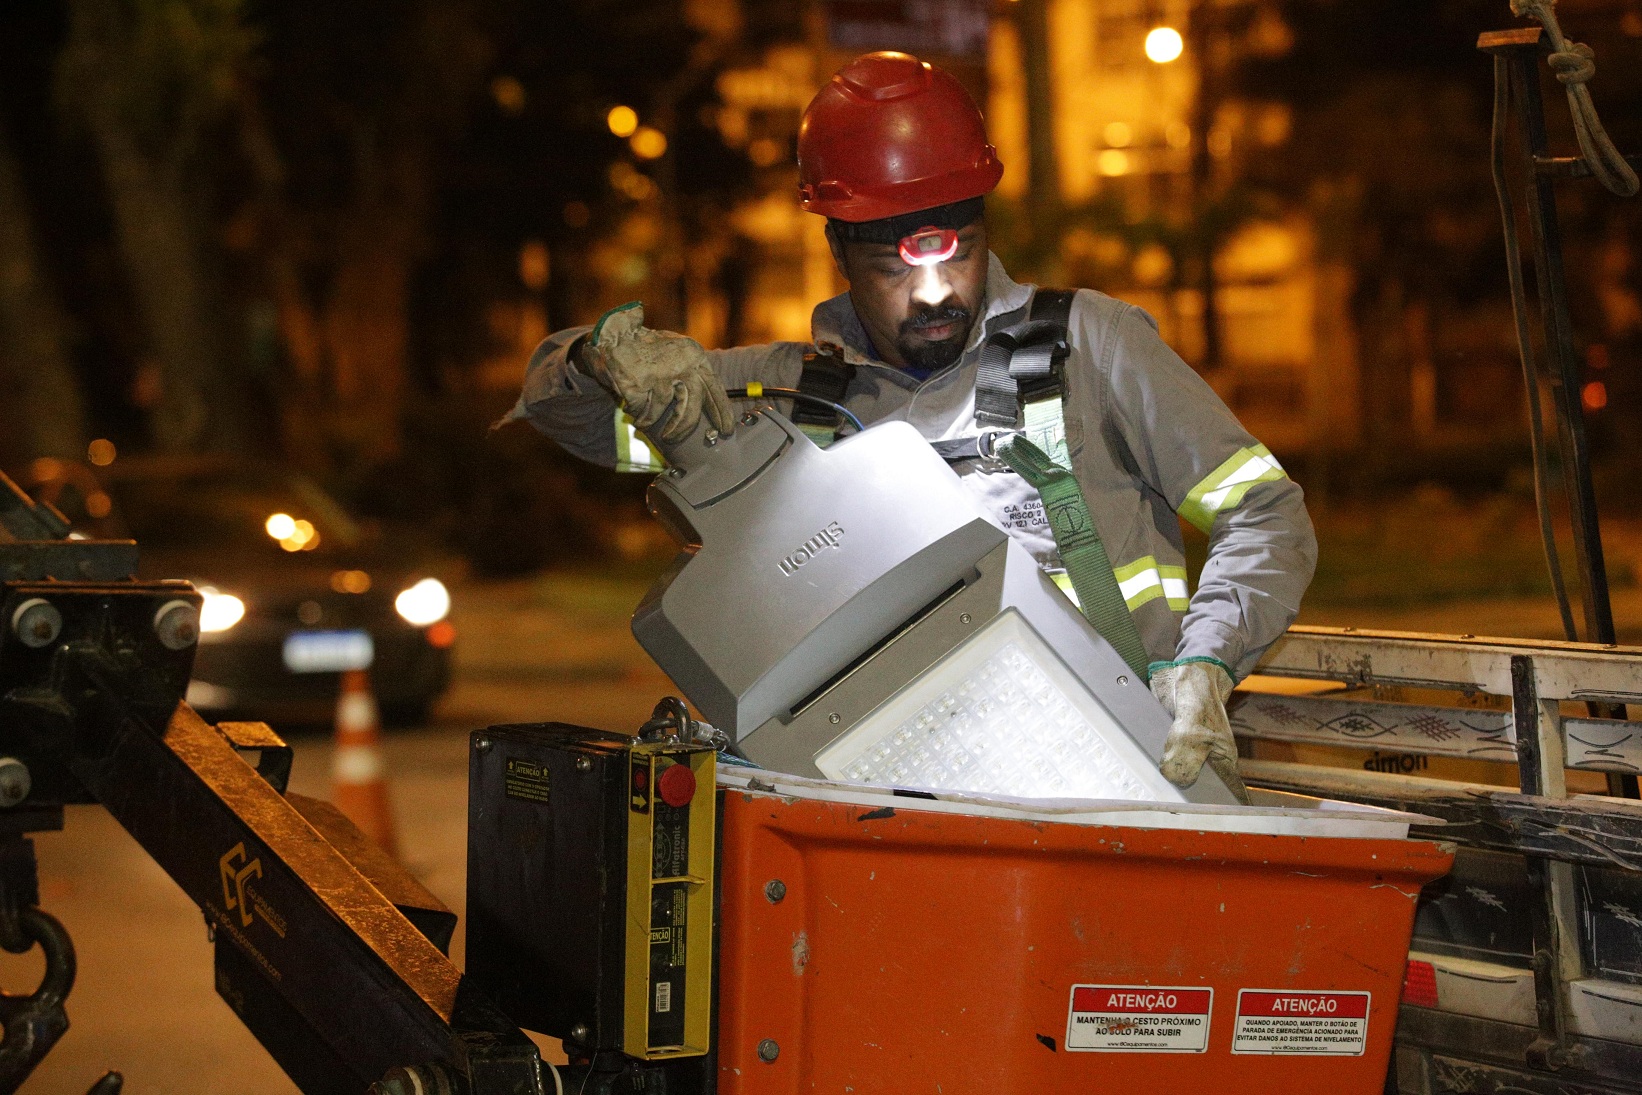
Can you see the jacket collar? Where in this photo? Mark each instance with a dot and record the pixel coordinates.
(835, 321)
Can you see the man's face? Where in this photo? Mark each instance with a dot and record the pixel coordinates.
(916, 315)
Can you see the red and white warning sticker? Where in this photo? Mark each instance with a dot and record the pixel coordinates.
(1281, 1022)
(1139, 1019)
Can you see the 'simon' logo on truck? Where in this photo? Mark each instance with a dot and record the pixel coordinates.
(830, 537)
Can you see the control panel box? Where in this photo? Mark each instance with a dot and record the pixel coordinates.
(590, 886)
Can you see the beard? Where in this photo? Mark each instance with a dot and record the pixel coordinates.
(920, 352)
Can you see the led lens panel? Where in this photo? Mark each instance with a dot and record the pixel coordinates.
(1000, 715)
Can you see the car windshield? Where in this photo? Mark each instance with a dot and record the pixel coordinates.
(235, 509)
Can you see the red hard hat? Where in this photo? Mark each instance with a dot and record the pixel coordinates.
(891, 134)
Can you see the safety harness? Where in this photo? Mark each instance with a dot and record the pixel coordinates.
(1020, 393)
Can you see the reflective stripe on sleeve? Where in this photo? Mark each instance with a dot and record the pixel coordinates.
(633, 453)
(1140, 581)
(1223, 488)
(1143, 580)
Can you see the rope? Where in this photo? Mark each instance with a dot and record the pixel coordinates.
(1574, 64)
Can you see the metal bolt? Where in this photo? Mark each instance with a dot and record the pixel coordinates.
(711, 438)
(579, 1033)
(37, 622)
(835, 718)
(966, 619)
(768, 1050)
(15, 782)
(584, 764)
(1123, 680)
(177, 624)
(775, 890)
(481, 745)
(749, 418)
(675, 473)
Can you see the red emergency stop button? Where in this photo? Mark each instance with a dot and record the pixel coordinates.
(676, 785)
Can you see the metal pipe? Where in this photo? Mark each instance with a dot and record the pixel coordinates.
(1551, 282)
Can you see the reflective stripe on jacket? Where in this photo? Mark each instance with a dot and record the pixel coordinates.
(1148, 440)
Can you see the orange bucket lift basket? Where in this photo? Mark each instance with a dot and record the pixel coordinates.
(878, 944)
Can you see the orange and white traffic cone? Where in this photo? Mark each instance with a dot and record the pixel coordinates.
(359, 784)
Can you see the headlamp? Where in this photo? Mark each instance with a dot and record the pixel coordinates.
(927, 246)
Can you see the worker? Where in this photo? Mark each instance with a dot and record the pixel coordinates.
(893, 152)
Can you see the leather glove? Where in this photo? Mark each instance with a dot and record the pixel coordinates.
(1193, 691)
(658, 377)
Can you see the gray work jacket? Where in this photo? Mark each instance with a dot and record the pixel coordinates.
(1148, 439)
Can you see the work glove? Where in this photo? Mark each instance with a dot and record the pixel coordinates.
(658, 377)
(1193, 691)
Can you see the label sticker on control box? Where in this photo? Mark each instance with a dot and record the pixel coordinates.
(1139, 1019)
(1299, 1023)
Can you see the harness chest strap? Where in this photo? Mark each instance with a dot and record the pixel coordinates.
(1021, 377)
(1088, 567)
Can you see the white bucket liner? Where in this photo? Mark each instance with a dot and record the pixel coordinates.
(1273, 812)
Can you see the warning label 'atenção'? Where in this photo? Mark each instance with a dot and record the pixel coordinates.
(1139, 1019)
(1274, 1021)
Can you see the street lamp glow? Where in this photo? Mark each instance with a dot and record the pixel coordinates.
(1164, 44)
(622, 120)
(649, 143)
(1113, 163)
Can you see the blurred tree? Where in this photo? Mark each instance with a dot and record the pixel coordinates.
(405, 155)
(391, 143)
(344, 124)
(1043, 170)
(150, 79)
(337, 197)
(44, 414)
(1388, 154)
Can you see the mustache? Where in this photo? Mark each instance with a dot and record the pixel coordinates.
(936, 316)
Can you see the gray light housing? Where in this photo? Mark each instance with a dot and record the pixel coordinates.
(814, 584)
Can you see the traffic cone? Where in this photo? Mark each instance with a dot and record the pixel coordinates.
(359, 783)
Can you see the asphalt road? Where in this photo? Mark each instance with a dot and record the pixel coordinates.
(551, 649)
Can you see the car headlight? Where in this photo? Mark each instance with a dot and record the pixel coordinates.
(424, 603)
(219, 611)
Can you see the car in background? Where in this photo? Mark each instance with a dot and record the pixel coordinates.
(296, 590)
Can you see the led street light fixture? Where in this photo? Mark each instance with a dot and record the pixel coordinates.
(850, 613)
(999, 715)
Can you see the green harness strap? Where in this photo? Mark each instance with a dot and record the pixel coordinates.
(1027, 385)
(1087, 565)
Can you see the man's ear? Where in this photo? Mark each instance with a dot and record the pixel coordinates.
(836, 245)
